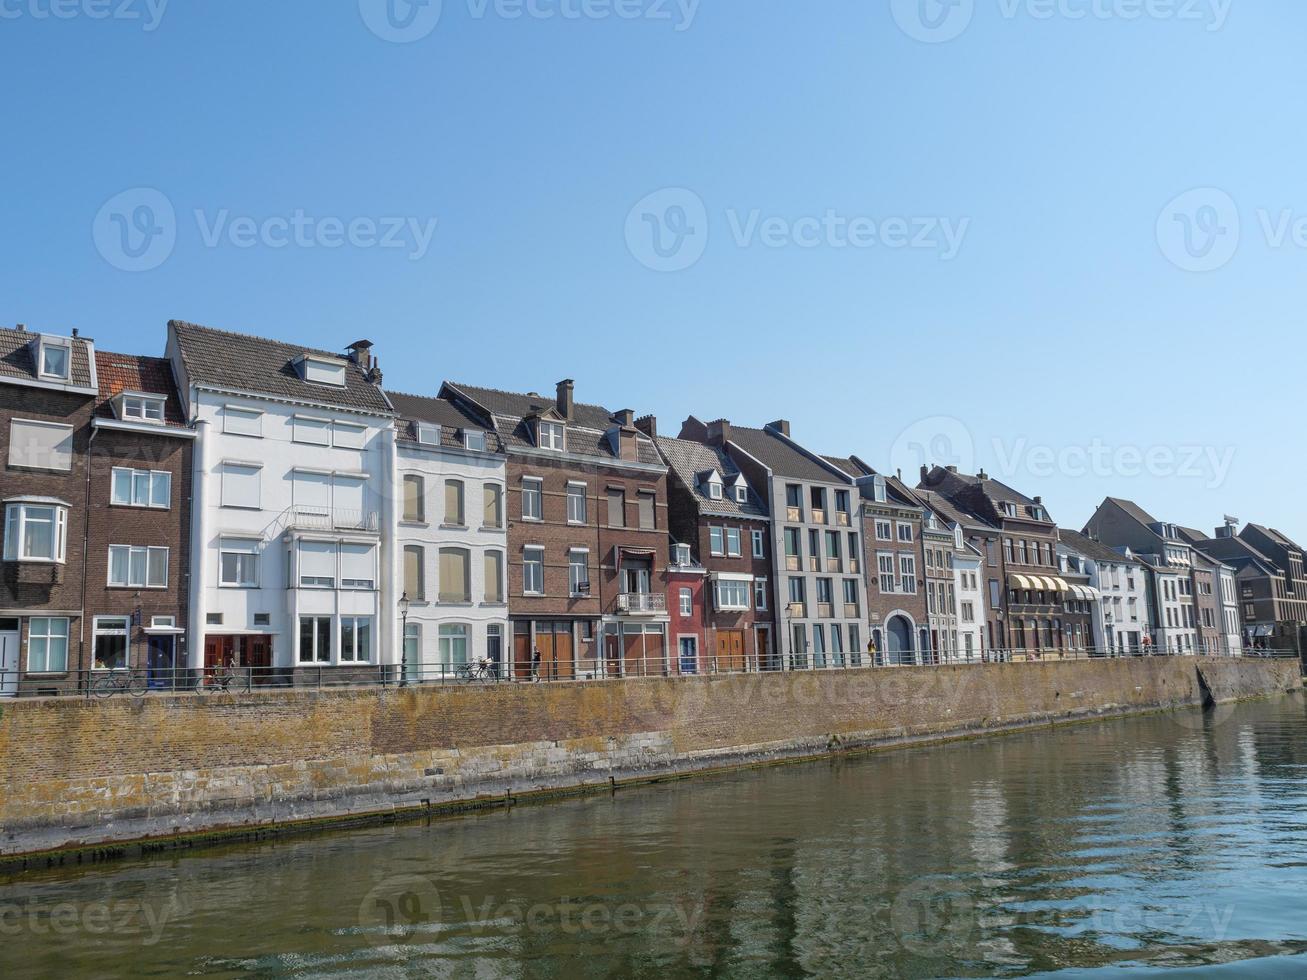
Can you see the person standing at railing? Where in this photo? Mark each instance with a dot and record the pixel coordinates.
(535, 664)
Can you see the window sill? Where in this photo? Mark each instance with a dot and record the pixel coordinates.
(413, 523)
(233, 585)
(45, 674)
(533, 520)
(136, 588)
(491, 528)
(455, 603)
(494, 605)
(118, 506)
(454, 527)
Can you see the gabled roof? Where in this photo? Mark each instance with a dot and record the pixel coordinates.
(688, 459)
(1089, 548)
(1135, 511)
(783, 458)
(958, 486)
(850, 466)
(240, 362)
(585, 434)
(131, 372)
(950, 511)
(1283, 540)
(453, 421)
(18, 358)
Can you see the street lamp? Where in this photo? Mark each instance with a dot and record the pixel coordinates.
(403, 639)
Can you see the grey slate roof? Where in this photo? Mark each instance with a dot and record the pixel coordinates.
(18, 357)
(950, 511)
(1135, 511)
(1277, 536)
(688, 459)
(849, 465)
(1087, 546)
(453, 421)
(782, 458)
(241, 362)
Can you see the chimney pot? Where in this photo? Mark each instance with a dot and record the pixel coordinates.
(982, 475)
(1039, 500)
(360, 352)
(925, 472)
(22, 328)
(782, 426)
(564, 399)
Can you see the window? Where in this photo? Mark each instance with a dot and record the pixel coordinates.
(532, 499)
(495, 646)
(315, 639)
(454, 503)
(428, 435)
(687, 602)
(475, 440)
(347, 496)
(494, 573)
(47, 645)
(355, 639)
(731, 594)
(824, 591)
(681, 554)
(716, 541)
(741, 494)
(40, 445)
(884, 531)
(647, 511)
(551, 435)
(414, 573)
(714, 488)
(905, 533)
(455, 581)
(793, 496)
(533, 571)
(758, 544)
(492, 497)
(576, 503)
(733, 542)
(358, 566)
(760, 594)
(142, 568)
(240, 485)
(792, 545)
(616, 507)
(908, 573)
(851, 592)
(578, 571)
(163, 622)
(238, 563)
(314, 432)
(55, 358)
(798, 592)
(414, 498)
(141, 408)
(885, 564)
(323, 371)
(141, 488)
(855, 645)
(317, 564)
(110, 643)
(238, 421)
(213, 619)
(35, 532)
(453, 645)
(346, 435)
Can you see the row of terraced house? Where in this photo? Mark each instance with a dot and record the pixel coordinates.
(246, 501)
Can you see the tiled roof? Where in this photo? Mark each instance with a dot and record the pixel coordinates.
(688, 459)
(1135, 511)
(18, 358)
(949, 510)
(780, 457)
(1090, 548)
(240, 362)
(849, 465)
(1277, 536)
(130, 372)
(442, 412)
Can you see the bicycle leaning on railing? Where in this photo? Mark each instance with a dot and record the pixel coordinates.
(478, 670)
(120, 682)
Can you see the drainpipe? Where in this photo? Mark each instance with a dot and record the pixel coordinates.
(86, 547)
(386, 559)
(199, 543)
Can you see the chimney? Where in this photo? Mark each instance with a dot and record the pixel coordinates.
(564, 401)
(360, 352)
(1228, 529)
(719, 432)
(952, 469)
(74, 333)
(648, 424)
(625, 417)
(374, 373)
(982, 475)
(925, 472)
(782, 426)
(1039, 500)
(21, 328)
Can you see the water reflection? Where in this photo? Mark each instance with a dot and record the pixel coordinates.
(1156, 842)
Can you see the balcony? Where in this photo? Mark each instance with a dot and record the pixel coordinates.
(641, 603)
(818, 516)
(853, 566)
(825, 610)
(797, 610)
(833, 565)
(794, 515)
(327, 519)
(814, 564)
(792, 563)
(842, 519)
(851, 611)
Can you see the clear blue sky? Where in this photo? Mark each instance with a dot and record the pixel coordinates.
(1055, 142)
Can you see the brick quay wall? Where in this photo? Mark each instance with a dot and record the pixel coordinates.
(84, 774)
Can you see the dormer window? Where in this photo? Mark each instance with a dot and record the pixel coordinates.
(428, 434)
(141, 408)
(878, 489)
(712, 484)
(1037, 513)
(474, 439)
(1009, 509)
(549, 435)
(715, 490)
(320, 370)
(741, 494)
(54, 358)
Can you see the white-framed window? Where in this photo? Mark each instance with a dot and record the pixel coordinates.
(240, 485)
(731, 594)
(733, 542)
(315, 640)
(576, 503)
(428, 434)
(533, 493)
(492, 500)
(533, 571)
(686, 597)
(35, 531)
(110, 643)
(714, 490)
(475, 440)
(356, 639)
(141, 488)
(358, 566)
(884, 531)
(47, 645)
(578, 571)
(551, 435)
(238, 421)
(238, 563)
(905, 533)
(759, 544)
(415, 498)
(888, 578)
(311, 490)
(452, 644)
(317, 565)
(136, 567)
(163, 622)
(494, 576)
(143, 408)
(455, 575)
(56, 358)
(311, 431)
(348, 435)
(37, 445)
(415, 573)
(716, 541)
(681, 554)
(760, 594)
(908, 574)
(741, 494)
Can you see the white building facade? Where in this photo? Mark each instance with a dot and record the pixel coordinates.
(1228, 599)
(967, 564)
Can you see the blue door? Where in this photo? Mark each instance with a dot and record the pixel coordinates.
(689, 655)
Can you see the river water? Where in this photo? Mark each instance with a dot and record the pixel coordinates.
(1164, 845)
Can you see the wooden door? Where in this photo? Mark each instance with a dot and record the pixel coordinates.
(730, 650)
(561, 665)
(521, 655)
(633, 654)
(258, 657)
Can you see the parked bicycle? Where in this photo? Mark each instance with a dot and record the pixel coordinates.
(119, 682)
(479, 670)
(221, 679)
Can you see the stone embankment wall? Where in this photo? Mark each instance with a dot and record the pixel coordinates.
(84, 773)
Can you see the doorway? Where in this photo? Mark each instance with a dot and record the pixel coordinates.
(689, 654)
(8, 658)
(730, 651)
(161, 663)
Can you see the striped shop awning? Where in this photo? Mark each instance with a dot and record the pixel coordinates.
(1021, 582)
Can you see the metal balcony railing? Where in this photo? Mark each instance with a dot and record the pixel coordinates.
(641, 603)
(331, 519)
